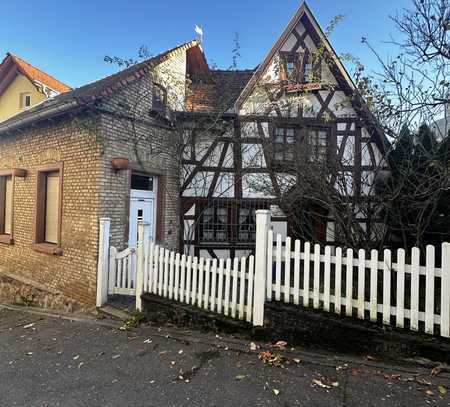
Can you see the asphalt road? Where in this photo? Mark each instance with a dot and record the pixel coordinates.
(54, 362)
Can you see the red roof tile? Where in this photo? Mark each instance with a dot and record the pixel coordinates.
(34, 74)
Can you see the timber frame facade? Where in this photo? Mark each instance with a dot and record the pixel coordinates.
(248, 130)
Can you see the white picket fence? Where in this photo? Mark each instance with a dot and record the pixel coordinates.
(224, 286)
(354, 284)
(362, 286)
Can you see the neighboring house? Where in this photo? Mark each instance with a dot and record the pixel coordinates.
(22, 86)
(178, 145)
(441, 127)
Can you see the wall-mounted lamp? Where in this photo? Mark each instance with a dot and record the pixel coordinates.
(19, 172)
(120, 164)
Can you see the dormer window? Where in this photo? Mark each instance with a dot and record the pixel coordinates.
(159, 99)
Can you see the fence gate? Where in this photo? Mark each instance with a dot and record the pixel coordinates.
(122, 271)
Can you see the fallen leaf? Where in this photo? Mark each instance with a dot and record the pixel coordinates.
(296, 360)
(280, 345)
(319, 383)
(429, 393)
(271, 358)
(276, 392)
(241, 376)
(436, 370)
(442, 390)
(423, 381)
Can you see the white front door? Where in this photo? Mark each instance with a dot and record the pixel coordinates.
(142, 208)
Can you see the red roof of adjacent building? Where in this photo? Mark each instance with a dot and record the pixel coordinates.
(31, 72)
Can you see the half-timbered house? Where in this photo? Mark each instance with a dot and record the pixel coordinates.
(250, 129)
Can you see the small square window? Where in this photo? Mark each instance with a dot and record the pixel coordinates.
(25, 100)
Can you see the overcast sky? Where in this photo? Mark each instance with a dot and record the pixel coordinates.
(69, 39)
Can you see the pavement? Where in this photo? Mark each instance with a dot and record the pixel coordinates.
(47, 361)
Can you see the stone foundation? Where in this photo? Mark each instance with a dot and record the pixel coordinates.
(15, 290)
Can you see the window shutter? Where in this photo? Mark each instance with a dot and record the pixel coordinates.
(52, 207)
(8, 205)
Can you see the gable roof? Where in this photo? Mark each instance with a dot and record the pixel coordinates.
(303, 12)
(217, 91)
(13, 65)
(91, 92)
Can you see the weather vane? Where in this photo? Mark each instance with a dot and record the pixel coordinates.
(199, 31)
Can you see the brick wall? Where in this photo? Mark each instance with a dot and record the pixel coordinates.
(73, 144)
(129, 131)
(86, 145)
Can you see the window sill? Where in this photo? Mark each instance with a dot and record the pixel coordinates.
(6, 239)
(48, 248)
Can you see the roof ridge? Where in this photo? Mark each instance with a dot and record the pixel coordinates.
(21, 60)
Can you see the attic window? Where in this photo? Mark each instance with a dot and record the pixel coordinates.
(25, 100)
(289, 66)
(159, 98)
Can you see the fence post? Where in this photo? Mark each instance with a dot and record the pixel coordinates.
(103, 262)
(140, 264)
(259, 296)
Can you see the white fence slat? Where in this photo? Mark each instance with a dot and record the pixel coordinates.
(171, 274)
(166, 273)
(415, 263)
(287, 270)
(278, 269)
(349, 283)
(213, 285)
(112, 269)
(251, 271)
(387, 287)
(316, 294)
(234, 289)
(188, 289)
(194, 280)
(207, 283)
(306, 264)
(373, 284)
(227, 287)
(201, 276)
(155, 270)
(361, 282)
(122, 266)
(269, 277)
(400, 297)
(429, 290)
(297, 272)
(338, 282)
(182, 277)
(220, 287)
(326, 275)
(176, 287)
(242, 288)
(162, 254)
(445, 291)
(146, 253)
(151, 255)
